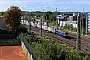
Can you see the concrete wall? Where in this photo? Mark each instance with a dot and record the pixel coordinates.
(2, 25)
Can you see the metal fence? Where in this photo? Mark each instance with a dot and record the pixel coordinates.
(7, 36)
(8, 39)
(27, 49)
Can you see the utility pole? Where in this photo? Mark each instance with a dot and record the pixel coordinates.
(43, 10)
(83, 10)
(29, 22)
(29, 26)
(23, 18)
(41, 26)
(82, 20)
(78, 41)
(87, 24)
(56, 20)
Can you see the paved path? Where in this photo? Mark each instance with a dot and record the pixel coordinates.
(12, 53)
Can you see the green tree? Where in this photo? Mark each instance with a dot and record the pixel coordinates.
(83, 23)
(1, 13)
(27, 16)
(37, 15)
(12, 18)
(83, 19)
(49, 16)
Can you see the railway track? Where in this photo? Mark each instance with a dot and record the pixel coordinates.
(85, 43)
(71, 41)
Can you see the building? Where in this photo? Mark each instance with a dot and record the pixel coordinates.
(2, 25)
(88, 23)
(67, 19)
(72, 18)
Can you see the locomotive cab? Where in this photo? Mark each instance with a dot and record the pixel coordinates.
(66, 34)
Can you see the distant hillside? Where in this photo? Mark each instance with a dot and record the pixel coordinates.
(58, 13)
(39, 12)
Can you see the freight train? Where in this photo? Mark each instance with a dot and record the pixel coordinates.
(45, 27)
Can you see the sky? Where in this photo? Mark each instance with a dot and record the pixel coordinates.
(47, 5)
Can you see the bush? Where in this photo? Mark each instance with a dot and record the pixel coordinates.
(69, 28)
(50, 49)
(22, 28)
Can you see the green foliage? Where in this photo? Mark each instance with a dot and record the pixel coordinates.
(28, 37)
(53, 23)
(73, 55)
(48, 16)
(1, 14)
(50, 49)
(82, 17)
(37, 15)
(12, 18)
(69, 28)
(22, 28)
(26, 16)
(83, 22)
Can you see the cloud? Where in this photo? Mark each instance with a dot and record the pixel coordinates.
(73, 2)
(3, 8)
(65, 7)
(25, 0)
(37, 7)
(25, 6)
(46, 6)
(52, 6)
(82, 2)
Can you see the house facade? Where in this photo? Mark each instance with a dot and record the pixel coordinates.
(67, 19)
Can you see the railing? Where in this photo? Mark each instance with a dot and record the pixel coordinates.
(7, 36)
(8, 39)
(27, 49)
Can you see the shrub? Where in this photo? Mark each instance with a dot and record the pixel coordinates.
(52, 50)
(22, 28)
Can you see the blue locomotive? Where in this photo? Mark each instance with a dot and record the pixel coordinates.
(62, 33)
